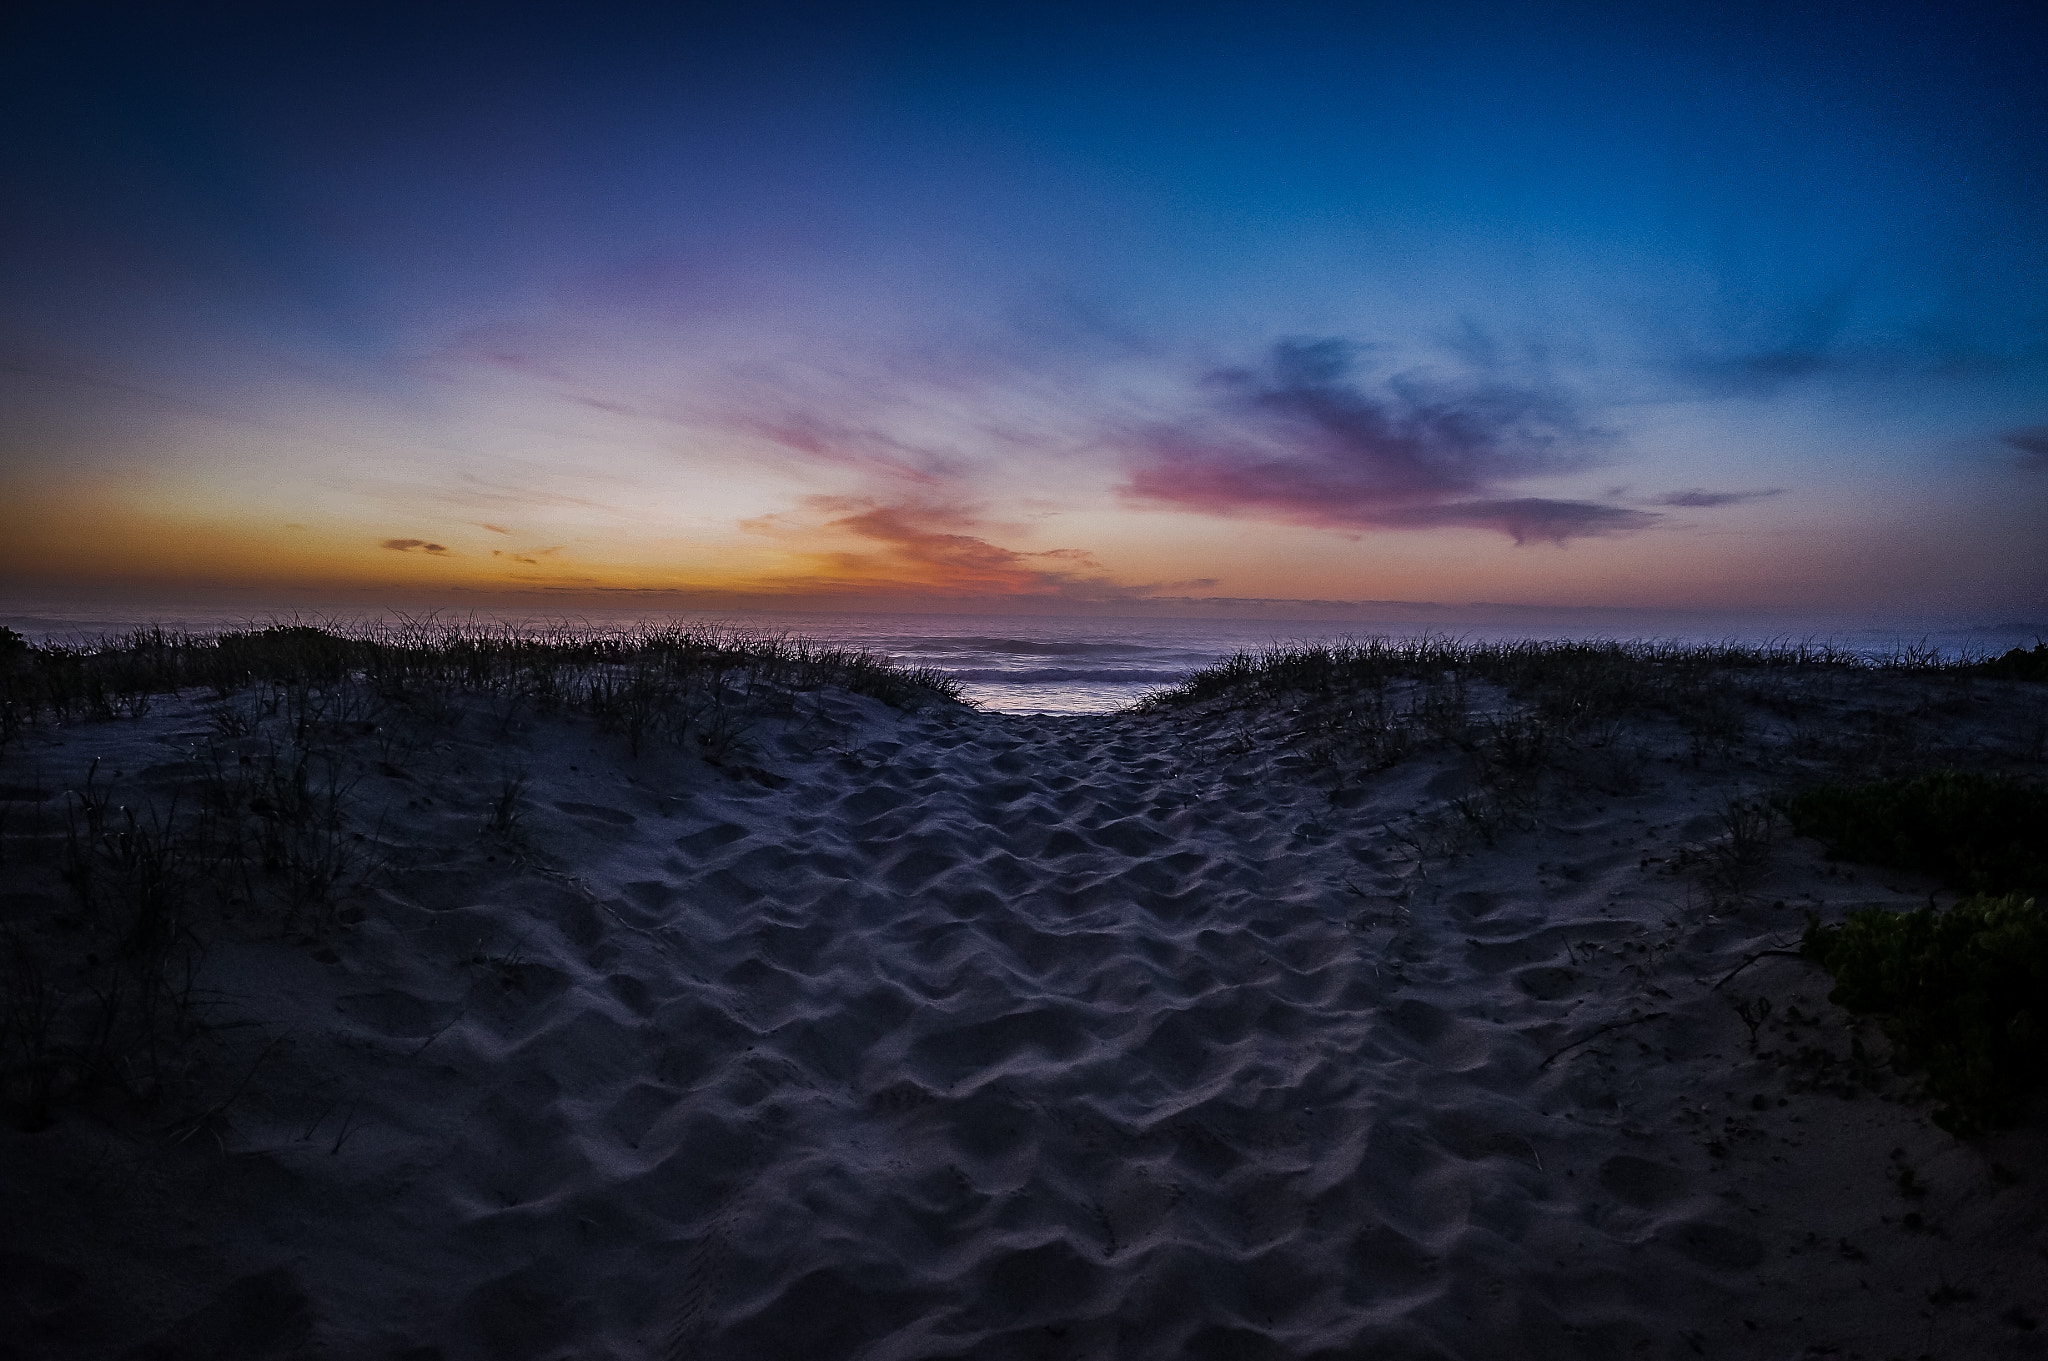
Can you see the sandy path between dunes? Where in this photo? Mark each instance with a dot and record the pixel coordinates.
(964, 1034)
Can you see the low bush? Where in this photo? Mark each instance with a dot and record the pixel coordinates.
(1978, 833)
(1962, 994)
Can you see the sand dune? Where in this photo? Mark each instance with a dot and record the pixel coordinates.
(956, 1034)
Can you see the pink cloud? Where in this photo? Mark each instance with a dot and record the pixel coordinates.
(926, 549)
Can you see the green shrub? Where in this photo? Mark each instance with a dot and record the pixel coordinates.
(1961, 993)
(1977, 833)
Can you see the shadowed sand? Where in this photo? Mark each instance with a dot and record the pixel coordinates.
(1221, 1031)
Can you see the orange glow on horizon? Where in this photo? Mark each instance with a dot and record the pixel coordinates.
(829, 552)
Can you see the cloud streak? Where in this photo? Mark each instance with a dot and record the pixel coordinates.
(408, 545)
(1300, 440)
(2031, 445)
(1698, 498)
(1526, 519)
(530, 559)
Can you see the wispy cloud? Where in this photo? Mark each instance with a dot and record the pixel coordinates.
(1765, 346)
(1303, 440)
(865, 449)
(409, 545)
(1526, 519)
(2031, 444)
(471, 492)
(1698, 498)
(927, 548)
(1762, 349)
(1756, 373)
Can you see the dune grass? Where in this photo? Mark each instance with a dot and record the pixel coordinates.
(1602, 676)
(263, 831)
(1531, 708)
(115, 676)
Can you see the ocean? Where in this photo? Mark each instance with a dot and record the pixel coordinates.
(1070, 664)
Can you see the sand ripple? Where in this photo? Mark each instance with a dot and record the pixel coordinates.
(971, 1035)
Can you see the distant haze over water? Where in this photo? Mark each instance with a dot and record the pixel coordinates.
(1082, 664)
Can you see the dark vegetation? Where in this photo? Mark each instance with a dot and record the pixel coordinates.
(1977, 833)
(2020, 664)
(1962, 993)
(117, 891)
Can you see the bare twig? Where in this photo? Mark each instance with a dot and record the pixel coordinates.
(435, 1036)
(347, 1123)
(1612, 1025)
(318, 1120)
(1753, 958)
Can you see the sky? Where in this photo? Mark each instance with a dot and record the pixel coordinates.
(1102, 308)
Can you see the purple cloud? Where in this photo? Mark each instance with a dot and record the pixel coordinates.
(1301, 441)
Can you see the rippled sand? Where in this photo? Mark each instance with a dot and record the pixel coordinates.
(956, 1034)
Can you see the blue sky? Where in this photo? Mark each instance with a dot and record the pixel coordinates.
(1104, 307)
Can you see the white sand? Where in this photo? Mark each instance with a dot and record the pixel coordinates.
(955, 1034)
